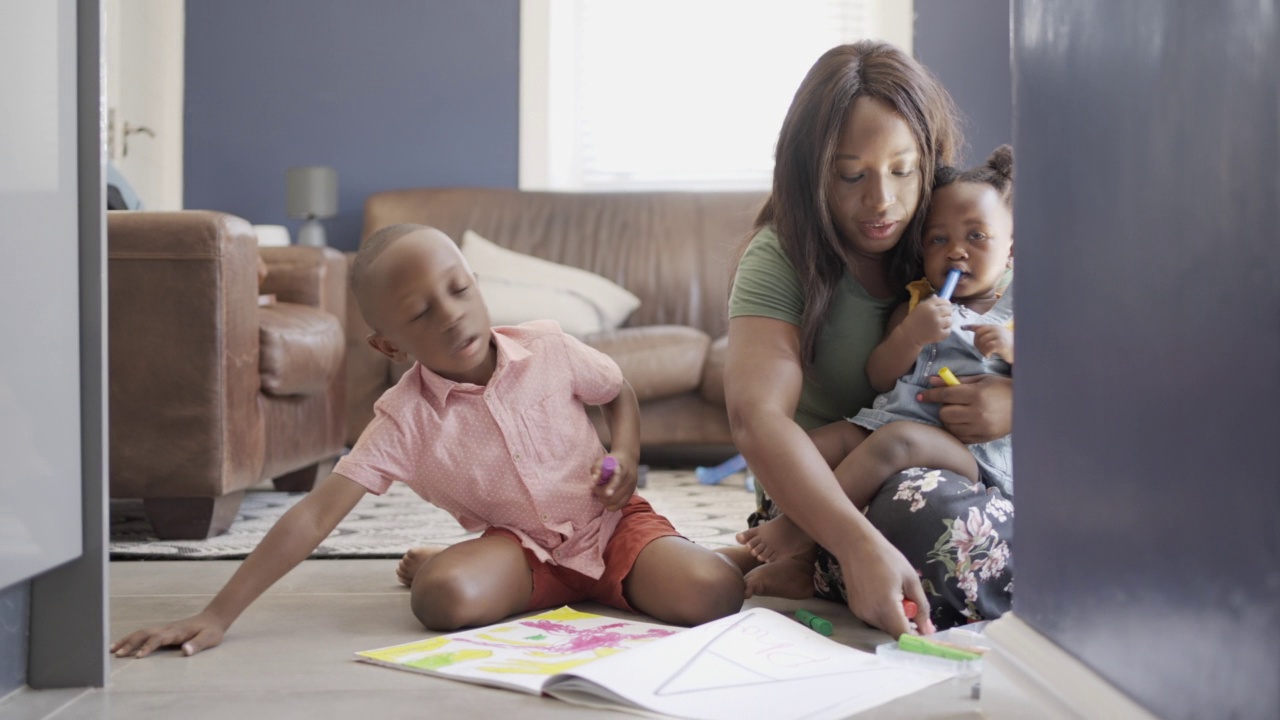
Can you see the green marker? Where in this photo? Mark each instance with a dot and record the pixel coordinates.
(815, 623)
(917, 644)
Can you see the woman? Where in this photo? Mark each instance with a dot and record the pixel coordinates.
(837, 243)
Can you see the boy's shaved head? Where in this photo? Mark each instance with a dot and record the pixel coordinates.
(371, 249)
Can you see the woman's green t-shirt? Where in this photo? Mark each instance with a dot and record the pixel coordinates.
(836, 384)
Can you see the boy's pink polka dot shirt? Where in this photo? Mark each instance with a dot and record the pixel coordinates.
(516, 453)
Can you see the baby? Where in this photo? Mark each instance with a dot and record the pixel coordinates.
(490, 424)
(969, 229)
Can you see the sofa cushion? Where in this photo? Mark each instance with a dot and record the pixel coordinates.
(518, 288)
(712, 387)
(301, 348)
(658, 360)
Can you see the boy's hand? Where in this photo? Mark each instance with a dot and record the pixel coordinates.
(993, 340)
(930, 322)
(196, 633)
(618, 490)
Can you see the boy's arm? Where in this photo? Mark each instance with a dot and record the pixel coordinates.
(289, 542)
(906, 335)
(622, 415)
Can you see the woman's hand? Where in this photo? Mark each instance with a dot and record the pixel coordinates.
(876, 579)
(979, 409)
(196, 633)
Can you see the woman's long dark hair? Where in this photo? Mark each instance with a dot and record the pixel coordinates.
(797, 207)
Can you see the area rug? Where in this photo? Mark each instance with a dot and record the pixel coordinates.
(385, 526)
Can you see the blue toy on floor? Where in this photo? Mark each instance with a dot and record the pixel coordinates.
(713, 475)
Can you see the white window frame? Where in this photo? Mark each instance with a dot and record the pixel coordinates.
(547, 155)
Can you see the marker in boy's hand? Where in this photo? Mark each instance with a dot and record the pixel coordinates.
(615, 480)
(608, 467)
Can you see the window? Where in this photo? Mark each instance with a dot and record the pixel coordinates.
(673, 94)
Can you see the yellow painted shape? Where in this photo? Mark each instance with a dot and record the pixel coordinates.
(562, 614)
(393, 654)
(446, 659)
(533, 667)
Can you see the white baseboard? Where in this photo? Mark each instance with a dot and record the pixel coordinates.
(1026, 675)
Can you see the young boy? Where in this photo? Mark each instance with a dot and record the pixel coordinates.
(490, 426)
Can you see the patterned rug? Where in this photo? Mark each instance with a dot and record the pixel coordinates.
(385, 526)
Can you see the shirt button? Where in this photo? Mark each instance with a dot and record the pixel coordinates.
(516, 456)
(544, 517)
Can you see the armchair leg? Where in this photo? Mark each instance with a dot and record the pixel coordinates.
(192, 518)
(300, 480)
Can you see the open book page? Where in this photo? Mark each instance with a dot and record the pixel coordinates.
(520, 654)
(757, 663)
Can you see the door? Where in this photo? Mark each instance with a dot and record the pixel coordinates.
(144, 97)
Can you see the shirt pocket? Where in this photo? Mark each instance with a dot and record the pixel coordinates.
(547, 429)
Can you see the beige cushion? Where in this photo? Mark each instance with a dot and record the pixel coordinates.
(518, 288)
(712, 387)
(658, 360)
(300, 350)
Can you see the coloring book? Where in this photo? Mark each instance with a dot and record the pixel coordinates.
(756, 663)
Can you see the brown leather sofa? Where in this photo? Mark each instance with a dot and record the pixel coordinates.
(674, 250)
(219, 377)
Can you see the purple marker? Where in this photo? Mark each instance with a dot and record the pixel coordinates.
(948, 287)
(608, 467)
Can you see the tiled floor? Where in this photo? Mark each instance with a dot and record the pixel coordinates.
(290, 655)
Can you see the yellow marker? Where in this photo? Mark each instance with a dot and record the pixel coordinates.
(947, 376)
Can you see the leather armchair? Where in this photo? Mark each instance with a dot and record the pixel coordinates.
(212, 389)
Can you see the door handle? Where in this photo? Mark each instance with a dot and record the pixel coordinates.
(130, 129)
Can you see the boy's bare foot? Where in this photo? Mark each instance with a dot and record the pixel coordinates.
(777, 539)
(786, 578)
(413, 560)
(741, 558)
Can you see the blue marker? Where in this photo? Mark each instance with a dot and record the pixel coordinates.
(948, 287)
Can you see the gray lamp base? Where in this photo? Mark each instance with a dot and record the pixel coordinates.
(312, 233)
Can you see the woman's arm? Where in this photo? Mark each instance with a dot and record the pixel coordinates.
(622, 415)
(763, 380)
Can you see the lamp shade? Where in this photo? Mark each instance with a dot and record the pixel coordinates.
(312, 191)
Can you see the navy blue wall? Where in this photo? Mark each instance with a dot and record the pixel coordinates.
(1148, 383)
(393, 93)
(966, 44)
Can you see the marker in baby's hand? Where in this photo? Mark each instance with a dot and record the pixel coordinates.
(949, 286)
(608, 467)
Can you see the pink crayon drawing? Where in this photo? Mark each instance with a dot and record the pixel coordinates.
(578, 639)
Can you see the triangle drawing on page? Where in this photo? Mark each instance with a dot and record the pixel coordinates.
(748, 653)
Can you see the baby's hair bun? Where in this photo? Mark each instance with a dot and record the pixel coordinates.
(1001, 161)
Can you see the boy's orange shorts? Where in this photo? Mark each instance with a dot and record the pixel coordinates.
(554, 585)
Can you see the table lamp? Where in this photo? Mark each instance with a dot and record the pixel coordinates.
(312, 194)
